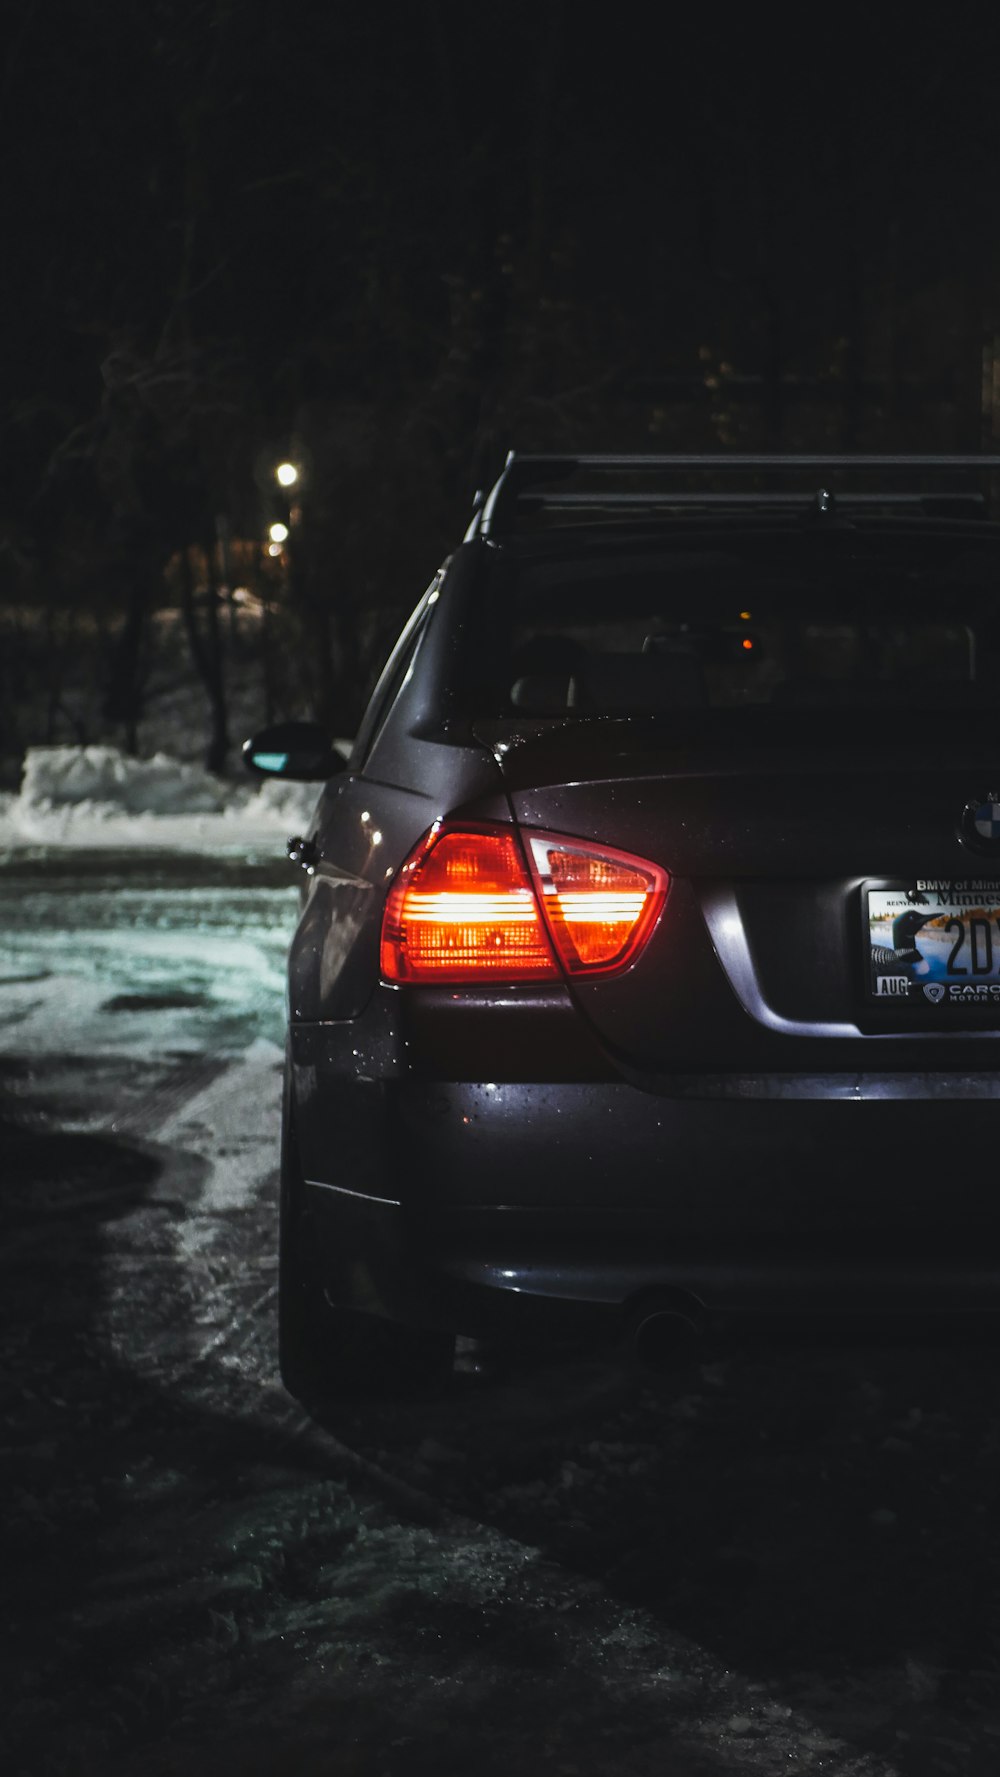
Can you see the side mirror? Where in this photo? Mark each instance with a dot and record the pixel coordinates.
(299, 750)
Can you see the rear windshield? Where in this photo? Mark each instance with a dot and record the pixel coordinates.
(796, 622)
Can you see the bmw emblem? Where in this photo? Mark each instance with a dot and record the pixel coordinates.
(979, 825)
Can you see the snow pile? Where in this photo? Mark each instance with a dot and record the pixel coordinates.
(102, 778)
(99, 796)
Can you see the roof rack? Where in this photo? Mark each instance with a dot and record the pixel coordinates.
(524, 477)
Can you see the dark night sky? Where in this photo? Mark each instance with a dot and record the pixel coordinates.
(307, 184)
(409, 237)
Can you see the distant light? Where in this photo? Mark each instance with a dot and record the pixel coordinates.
(286, 474)
(274, 549)
(747, 643)
(745, 616)
(278, 532)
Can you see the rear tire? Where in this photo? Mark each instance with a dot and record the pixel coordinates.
(328, 1354)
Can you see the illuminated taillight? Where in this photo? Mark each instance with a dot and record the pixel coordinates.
(463, 909)
(600, 904)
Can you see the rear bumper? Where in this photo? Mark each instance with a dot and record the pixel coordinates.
(507, 1205)
(708, 1157)
(497, 1272)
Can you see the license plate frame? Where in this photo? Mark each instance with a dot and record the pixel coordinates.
(916, 955)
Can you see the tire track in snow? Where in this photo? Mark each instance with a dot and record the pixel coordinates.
(166, 1099)
(212, 1124)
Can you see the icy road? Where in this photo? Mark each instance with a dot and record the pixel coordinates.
(783, 1561)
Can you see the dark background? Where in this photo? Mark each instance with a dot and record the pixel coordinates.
(389, 244)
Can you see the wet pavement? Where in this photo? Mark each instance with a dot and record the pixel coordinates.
(776, 1559)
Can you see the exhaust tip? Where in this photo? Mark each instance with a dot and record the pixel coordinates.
(667, 1335)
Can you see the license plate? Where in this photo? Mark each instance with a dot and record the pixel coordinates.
(934, 943)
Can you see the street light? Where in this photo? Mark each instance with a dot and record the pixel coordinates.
(278, 533)
(286, 474)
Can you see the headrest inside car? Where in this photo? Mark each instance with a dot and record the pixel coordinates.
(541, 694)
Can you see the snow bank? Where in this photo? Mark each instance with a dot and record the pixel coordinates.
(98, 796)
(102, 777)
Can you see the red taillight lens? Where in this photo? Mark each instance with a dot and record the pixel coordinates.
(601, 905)
(464, 909)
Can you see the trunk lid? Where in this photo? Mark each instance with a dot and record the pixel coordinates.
(769, 830)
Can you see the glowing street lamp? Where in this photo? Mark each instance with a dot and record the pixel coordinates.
(286, 474)
(278, 533)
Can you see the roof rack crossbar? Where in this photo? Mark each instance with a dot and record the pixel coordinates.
(723, 460)
(569, 502)
(522, 474)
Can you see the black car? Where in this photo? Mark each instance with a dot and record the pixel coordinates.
(649, 965)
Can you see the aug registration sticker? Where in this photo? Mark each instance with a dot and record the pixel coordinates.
(936, 942)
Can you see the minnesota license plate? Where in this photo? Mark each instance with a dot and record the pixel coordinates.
(934, 942)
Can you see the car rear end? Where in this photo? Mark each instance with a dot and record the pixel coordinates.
(684, 976)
